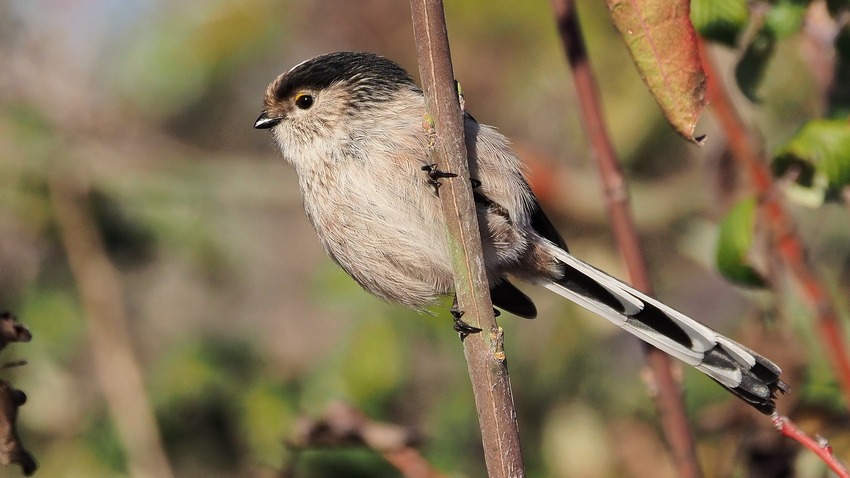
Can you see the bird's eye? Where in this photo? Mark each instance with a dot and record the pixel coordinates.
(303, 101)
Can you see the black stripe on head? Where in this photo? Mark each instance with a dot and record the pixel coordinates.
(371, 76)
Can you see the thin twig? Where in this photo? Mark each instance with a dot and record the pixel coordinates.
(487, 366)
(786, 244)
(115, 363)
(668, 397)
(819, 446)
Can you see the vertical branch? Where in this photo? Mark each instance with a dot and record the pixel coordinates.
(485, 356)
(668, 398)
(784, 240)
(116, 366)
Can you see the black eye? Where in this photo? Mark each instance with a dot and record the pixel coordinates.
(304, 101)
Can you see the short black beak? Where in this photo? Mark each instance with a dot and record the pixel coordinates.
(265, 122)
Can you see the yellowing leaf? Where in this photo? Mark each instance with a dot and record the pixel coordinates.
(663, 44)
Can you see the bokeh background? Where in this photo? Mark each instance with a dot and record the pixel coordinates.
(238, 323)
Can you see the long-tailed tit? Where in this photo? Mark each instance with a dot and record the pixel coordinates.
(352, 126)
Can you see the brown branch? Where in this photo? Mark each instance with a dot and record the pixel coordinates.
(12, 331)
(784, 240)
(343, 426)
(12, 449)
(487, 365)
(819, 446)
(115, 363)
(668, 397)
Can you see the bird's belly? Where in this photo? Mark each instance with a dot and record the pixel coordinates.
(393, 245)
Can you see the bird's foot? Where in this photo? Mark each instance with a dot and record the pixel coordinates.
(434, 176)
(462, 328)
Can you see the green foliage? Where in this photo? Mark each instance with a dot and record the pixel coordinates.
(241, 325)
(103, 440)
(344, 463)
(374, 363)
(734, 244)
(54, 317)
(216, 396)
(785, 17)
(820, 152)
(751, 68)
(782, 19)
(721, 21)
(820, 387)
(200, 369)
(126, 240)
(267, 416)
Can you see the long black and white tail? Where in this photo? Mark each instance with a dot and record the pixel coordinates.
(740, 370)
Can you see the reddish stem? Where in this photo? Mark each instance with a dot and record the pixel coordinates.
(668, 399)
(785, 426)
(788, 246)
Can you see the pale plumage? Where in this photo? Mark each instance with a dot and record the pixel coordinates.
(352, 126)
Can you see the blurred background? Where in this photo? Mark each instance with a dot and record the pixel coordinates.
(152, 240)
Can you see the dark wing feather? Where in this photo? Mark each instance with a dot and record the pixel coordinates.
(541, 223)
(507, 297)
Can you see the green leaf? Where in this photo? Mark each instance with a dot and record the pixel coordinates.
(375, 362)
(734, 244)
(785, 18)
(267, 415)
(663, 45)
(720, 21)
(749, 72)
(821, 151)
(782, 19)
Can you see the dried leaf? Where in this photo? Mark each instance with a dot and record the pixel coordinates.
(663, 44)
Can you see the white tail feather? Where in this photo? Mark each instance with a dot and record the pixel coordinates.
(730, 361)
(669, 346)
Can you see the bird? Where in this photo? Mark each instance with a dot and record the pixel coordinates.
(351, 125)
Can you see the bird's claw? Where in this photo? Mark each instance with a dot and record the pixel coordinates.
(462, 328)
(434, 176)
